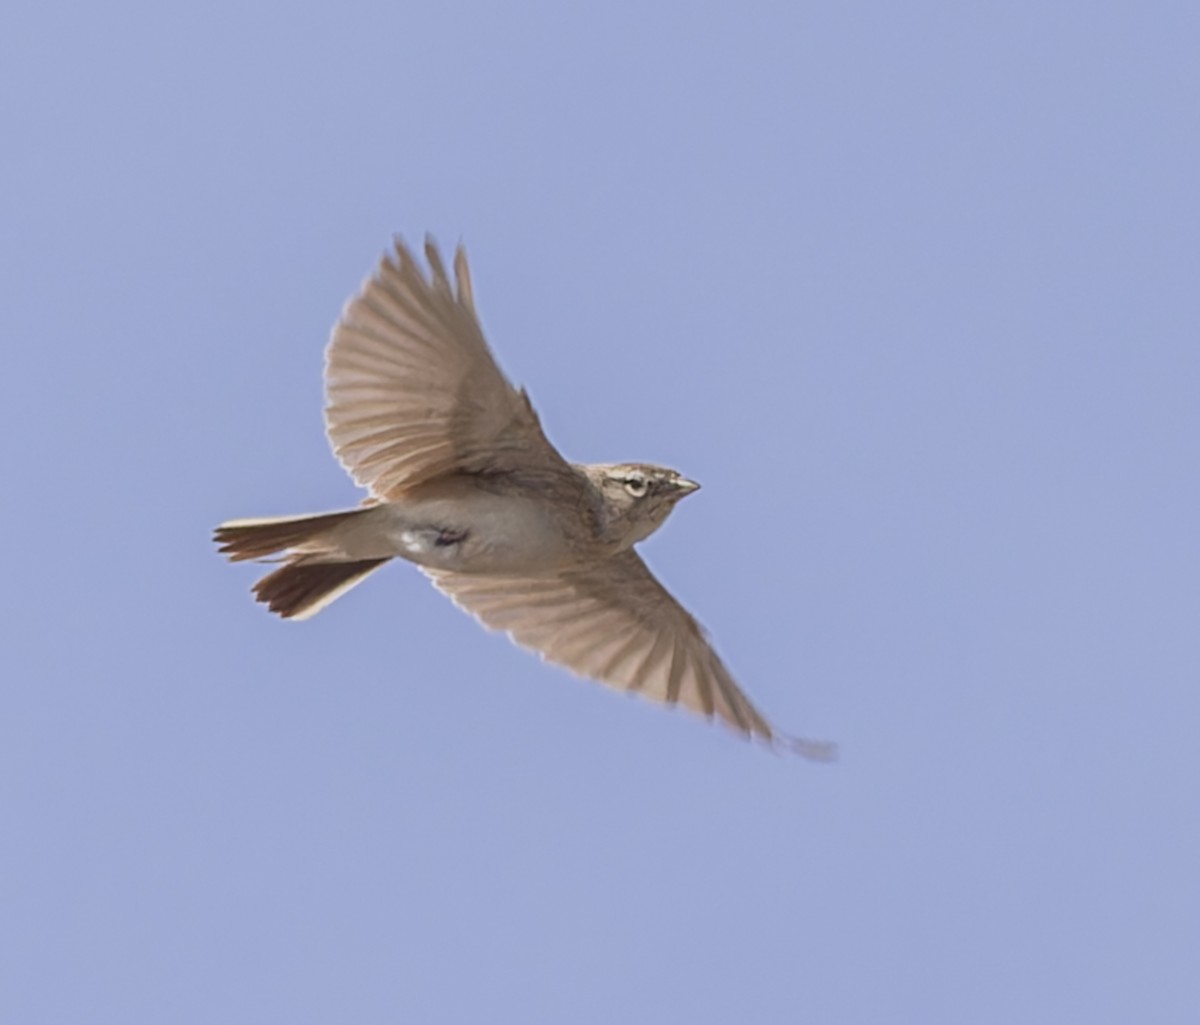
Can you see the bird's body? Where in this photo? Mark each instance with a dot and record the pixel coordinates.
(464, 484)
(460, 523)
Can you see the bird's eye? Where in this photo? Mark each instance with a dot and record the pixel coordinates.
(636, 485)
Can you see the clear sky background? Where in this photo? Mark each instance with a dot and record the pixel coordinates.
(911, 288)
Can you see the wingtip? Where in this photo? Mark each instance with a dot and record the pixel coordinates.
(399, 249)
(437, 268)
(462, 278)
(810, 750)
(401, 258)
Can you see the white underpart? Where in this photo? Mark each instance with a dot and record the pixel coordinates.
(419, 541)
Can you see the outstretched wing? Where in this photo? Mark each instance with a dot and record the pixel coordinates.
(412, 389)
(614, 622)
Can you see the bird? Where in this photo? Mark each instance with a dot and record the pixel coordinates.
(463, 482)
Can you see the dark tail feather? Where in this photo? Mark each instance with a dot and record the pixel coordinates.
(253, 539)
(301, 589)
(313, 574)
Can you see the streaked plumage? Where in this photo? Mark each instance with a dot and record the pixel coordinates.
(463, 482)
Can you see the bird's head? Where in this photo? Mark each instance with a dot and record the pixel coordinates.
(638, 497)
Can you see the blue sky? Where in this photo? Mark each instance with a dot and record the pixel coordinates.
(912, 290)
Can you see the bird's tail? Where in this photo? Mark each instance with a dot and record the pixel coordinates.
(313, 574)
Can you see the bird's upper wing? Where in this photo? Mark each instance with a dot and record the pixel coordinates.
(616, 623)
(412, 389)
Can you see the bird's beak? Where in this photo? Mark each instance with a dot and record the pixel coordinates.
(685, 486)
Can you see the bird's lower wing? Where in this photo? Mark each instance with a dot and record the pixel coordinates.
(614, 622)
